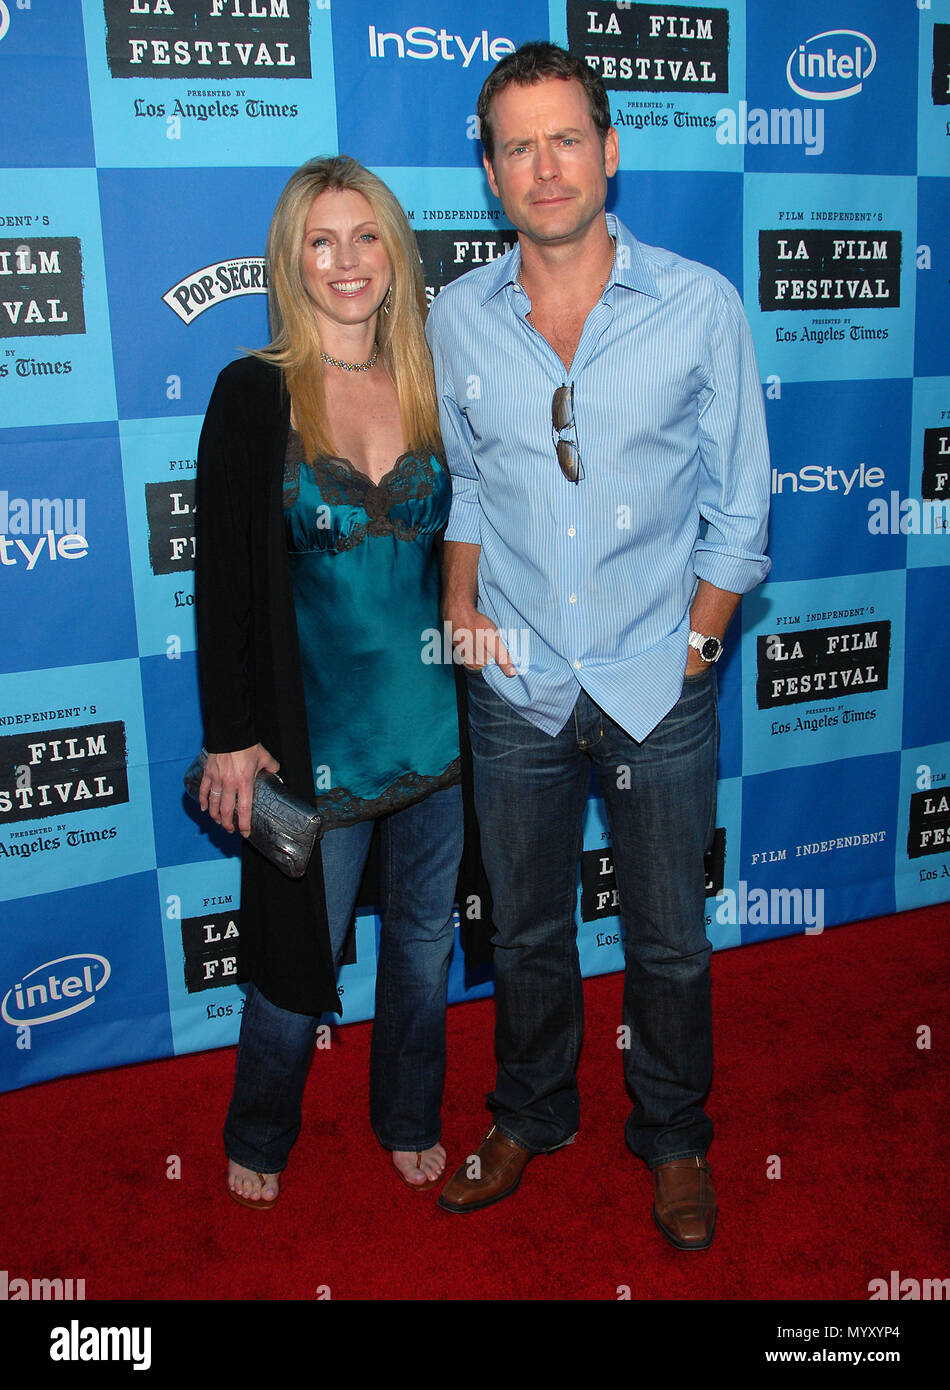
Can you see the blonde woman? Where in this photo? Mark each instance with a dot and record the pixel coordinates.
(322, 494)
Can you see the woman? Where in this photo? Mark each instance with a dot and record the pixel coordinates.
(321, 497)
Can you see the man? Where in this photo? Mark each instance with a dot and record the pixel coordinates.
(602, 417)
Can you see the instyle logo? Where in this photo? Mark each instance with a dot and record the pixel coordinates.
(419, 41)
(817, 477)
(212, 284)
(60, 522)
(208, 38)
(47, 993)
(831, 65)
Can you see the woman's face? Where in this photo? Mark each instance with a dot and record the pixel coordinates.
(345, 266)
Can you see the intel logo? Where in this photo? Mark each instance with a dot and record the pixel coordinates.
(46, 994)
(831, 65)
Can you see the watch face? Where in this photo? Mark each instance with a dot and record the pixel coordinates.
(710, 649)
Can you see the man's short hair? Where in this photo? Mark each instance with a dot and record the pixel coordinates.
(536, 62)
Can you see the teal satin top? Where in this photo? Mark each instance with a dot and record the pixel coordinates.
(381, 709)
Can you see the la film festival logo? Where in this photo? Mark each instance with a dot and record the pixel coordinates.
(210, 943)
(828, 268)
(201, 39)
(636, 48)
(41, 287)
(448, 254)
(809, 664)
(60, 771)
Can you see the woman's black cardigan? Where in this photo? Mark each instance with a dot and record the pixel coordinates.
(249, 666)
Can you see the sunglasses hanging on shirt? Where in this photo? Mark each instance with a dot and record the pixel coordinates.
(562, 420)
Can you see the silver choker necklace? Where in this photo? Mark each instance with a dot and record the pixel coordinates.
(351, 366)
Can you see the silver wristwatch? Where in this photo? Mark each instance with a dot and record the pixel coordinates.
(709, 648)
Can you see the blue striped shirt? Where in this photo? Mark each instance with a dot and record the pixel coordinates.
(592, 583)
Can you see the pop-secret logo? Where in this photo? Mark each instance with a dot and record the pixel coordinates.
(831, 65)
(213, 283)
(44, 995)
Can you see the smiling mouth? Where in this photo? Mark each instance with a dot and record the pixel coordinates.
(349, 286)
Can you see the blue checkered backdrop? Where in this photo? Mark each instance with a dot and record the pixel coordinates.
(800, 149)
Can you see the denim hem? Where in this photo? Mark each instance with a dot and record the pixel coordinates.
(561, 1144)
(410, 1146)
(250, 1162)
(673, 1158)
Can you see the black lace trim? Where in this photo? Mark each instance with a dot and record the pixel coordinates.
(340, 806)
(340, 483)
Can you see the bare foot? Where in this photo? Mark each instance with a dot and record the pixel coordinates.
(430, 1167)
(246, 1184)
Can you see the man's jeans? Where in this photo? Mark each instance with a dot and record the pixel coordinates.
(660, 798)
(420, 848)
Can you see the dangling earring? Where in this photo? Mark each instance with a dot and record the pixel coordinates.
(388, 301)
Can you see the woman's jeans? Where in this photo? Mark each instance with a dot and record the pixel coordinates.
(660, 795)
(420, 848)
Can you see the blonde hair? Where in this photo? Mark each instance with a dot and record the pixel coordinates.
(295, 344)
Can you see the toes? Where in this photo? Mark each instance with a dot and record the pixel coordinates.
(246, 1183)
(433, 1162)
(406, 1165)
(430, 1167)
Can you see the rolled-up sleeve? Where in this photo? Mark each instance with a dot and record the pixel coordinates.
(464, 517)
(735, 475)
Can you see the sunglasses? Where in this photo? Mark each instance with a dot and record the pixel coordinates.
(562, 418)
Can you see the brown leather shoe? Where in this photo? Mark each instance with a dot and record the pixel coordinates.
(501, 1163)
(684, 1205)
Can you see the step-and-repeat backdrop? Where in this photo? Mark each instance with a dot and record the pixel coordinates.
(803, 150)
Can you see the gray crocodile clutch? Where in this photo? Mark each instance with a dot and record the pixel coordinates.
(284, 827)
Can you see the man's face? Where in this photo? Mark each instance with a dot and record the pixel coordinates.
(551, 167)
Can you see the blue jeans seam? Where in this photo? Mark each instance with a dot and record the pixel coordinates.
(675, 1158)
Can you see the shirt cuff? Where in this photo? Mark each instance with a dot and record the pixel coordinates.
(463, 524)
(737, 574)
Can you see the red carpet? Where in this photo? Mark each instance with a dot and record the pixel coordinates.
(817, 1066)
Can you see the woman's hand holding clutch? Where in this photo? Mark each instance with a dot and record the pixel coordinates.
(228, 784)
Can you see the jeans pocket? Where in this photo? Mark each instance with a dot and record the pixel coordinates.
(698, 675)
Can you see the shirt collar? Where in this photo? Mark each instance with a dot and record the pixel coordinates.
(629, 269)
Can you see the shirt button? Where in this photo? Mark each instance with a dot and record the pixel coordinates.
(577, 665)
(571, 531)
(573, 598)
